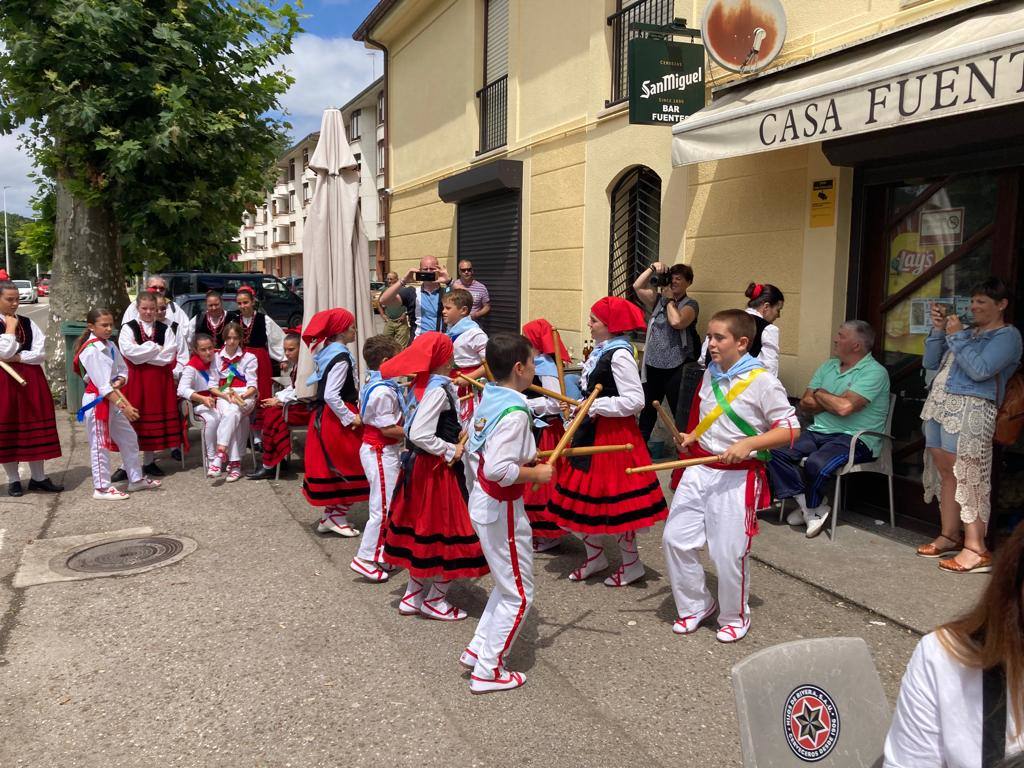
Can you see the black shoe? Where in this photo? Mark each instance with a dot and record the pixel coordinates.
(263, 473)
(15, 489)
(176, 454)
(258, 446)
(153, 470)
(119, 476)
(46, 484)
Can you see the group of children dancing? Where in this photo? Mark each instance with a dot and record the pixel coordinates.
(442, 441)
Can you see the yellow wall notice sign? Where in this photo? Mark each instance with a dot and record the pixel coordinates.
(823, 203)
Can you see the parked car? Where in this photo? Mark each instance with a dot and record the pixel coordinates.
(27, 293)
(272, 294)
(294, 285)
(43, 286)
(376, 289)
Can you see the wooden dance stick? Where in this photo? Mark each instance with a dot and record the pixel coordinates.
(466, 397)
(666, 419)
(553, 395)
(487, 372)
(14, 374)
(559, 363)
(462, 441)
(680, 464)
(588, 450)
(581, 414)
(474, 382)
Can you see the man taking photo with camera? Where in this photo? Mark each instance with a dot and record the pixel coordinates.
(422, 302)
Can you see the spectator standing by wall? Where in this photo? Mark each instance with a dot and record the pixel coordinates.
(481, 296)
(396, 319)
(765, 302)
(671, 339)
(422, 302)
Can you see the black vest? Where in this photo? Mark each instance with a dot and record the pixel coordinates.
(602, 374)
(159, 331)
(257, 331)
(218, 336)
(349, 393)
(755, 344)
(24, 333)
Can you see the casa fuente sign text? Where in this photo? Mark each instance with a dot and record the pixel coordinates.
(666, 80)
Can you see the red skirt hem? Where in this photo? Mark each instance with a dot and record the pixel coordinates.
(536, 501)
(27, 417)
(336, 477)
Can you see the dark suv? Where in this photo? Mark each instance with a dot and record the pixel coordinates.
(272, 294)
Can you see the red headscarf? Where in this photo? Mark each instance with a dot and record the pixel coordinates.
(539, 333)
(325, 324)
(428, 352)
(618, 315)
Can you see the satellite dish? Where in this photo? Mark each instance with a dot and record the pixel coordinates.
(744, 35)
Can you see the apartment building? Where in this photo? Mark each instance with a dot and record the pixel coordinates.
(509, 143)
(271, 234)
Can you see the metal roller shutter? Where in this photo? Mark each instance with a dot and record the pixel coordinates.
(488, 235)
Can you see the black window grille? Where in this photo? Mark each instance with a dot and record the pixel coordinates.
(493, 115)
(635, 228)
(643, 12)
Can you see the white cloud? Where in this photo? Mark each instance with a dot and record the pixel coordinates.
(328, 71)
(15, 165)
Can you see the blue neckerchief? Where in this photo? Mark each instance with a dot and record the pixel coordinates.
(324, 357)
(435, 380)
(744, 365)
(109, 347)
(375, 380)
(545, 366)
(488, 413)
(465, 324)
(617, 342)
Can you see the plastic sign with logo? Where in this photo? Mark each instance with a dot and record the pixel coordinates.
(666, 81)
(811, 723)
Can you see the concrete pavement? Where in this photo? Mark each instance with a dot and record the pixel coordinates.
(262, 648)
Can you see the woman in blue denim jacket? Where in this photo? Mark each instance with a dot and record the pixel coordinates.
(959, 418)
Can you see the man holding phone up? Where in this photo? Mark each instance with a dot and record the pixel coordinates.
(422, 302)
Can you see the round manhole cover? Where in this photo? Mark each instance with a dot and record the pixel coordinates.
(125, 555)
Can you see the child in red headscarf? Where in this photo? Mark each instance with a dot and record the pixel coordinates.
(593, 494)
(428, 529)
(334, 475)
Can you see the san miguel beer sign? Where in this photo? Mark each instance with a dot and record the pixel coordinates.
(666, 80)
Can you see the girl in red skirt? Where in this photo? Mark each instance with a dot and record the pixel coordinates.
(428, 530)
(593, 494)
(262, 337)
(27, 418)
(334, 475)
(546, 532)
(150, 349)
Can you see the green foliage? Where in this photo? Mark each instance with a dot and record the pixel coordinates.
(156, 109)
(36, 235)
(21, 267)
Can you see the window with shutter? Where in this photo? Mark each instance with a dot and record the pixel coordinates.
(635, 229)
(493, 96)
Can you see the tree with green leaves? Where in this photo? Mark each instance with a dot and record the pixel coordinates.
(151, 118)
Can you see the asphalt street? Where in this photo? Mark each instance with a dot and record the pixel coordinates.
(263, 649)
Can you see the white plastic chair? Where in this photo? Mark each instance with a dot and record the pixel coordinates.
(198, 423)
(291, 434)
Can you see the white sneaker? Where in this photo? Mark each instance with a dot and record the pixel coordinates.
(817, 522)
(545, 544)
(502, 681)
(468, 660)
(215, 470)
(626, 575)
(410, 603)
(145, 484)
(439, 609)
(687, 625)
(730, 633)
(369, 571)
(109, 494)
(796, 517)
(336, 524)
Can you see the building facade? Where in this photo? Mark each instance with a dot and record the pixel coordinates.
(509, 143)
(271, 234)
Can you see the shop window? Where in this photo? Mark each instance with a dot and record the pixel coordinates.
(635, 229)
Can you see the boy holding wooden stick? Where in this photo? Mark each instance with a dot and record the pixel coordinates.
(744, 412)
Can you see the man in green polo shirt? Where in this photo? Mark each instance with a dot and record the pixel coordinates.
(848, 394)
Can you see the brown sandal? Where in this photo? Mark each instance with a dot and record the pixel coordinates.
(930, 550)
(984, 565)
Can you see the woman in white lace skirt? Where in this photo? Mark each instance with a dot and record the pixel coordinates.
(959, 418)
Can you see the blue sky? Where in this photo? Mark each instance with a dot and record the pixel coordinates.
(329, 69)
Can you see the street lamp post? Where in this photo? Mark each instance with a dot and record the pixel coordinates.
(7, 250)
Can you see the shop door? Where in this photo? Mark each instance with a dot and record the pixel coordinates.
(928, 240)
(488, 235)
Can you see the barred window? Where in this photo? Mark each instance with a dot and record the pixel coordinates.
(635, 228)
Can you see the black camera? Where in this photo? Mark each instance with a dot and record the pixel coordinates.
(660, 279)
(426, 277)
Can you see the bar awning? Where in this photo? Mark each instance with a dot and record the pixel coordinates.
(944, 68)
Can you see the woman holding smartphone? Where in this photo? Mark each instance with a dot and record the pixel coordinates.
(959, 415)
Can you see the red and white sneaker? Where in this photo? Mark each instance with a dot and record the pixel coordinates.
(412, 600)
(215, 470)
(590, 566)
(109, 494)
(145, 484)
(544, 544)
(626, 575)
(369, 571)
(336, 523)
(468, 659)
(730, 633)
(439, 609)
(687, 625)
(502, 681)
(234, 472)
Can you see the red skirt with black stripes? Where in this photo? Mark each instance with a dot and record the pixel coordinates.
(536, 501)
(27, 419)
(603, 498)
(276, 433)
(334, 475)
(150, 388)
(428, 529)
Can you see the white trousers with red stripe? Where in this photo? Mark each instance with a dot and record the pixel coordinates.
(123, 434)
(381, 471)
(709, 508)
(507, 543)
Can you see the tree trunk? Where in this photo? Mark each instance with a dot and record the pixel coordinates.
(86, 273)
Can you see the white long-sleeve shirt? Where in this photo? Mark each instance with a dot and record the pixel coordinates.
(100, 367)
(34, 355)
(769, 354)
(382, 408)
(937, 723)
(148, 351)
(469, 348)
(245, 363)
(507, 448)
(542, 405)
(192, 382)
(630, 400)
(287, 394)
(275, 336)
(764, 405)
(332, 391)
(424, 423)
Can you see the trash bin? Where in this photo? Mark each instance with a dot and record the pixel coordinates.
(75, 386)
